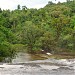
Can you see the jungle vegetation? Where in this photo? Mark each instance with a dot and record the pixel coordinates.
(51, 28)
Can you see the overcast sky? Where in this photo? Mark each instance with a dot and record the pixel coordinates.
(12, 4)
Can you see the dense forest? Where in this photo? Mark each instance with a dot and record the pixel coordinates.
(51, 29)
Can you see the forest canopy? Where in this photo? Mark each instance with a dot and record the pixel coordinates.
(51, 28)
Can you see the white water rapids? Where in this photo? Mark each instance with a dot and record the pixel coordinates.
(20, 66)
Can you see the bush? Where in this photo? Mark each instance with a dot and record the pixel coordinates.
(6, 49)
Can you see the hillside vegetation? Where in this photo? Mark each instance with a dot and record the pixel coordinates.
(51, 29)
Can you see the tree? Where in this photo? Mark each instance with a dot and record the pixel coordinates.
(30, 35)
(48, 42)
(50, 2)
(18, 7)
(24, 8)
(5, 43)
(0, 10)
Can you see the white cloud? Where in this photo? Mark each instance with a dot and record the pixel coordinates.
(12, 4)
(6, 4)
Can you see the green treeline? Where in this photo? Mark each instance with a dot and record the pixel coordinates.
(51, 28)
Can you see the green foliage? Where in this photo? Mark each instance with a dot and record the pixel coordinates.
(5, 49)
(48, 42)
(48, 28)
(30, 35)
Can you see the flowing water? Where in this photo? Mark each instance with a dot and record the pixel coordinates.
(26, 64)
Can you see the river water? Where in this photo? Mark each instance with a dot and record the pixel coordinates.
(23, 64)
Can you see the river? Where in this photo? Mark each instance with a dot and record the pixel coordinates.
(25, 64)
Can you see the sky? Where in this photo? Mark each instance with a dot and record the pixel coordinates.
(12, 4)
